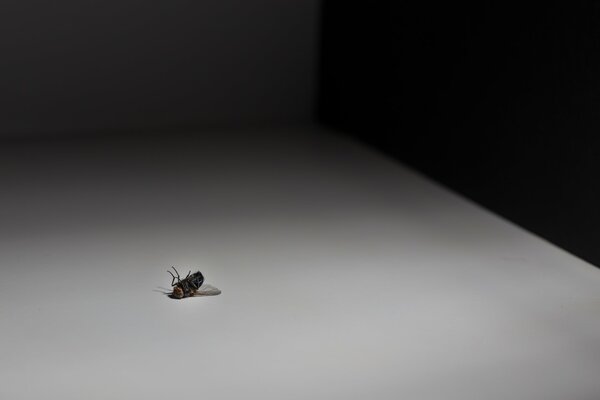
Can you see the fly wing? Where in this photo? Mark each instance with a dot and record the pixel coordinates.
(207, 290)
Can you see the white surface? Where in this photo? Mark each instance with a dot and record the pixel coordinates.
(344, 276)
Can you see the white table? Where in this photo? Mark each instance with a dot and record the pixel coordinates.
(344, 276)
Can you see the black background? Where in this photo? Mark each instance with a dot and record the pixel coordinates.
(498, 101)
(79, 66)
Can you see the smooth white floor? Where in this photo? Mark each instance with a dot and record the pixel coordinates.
(344, 276)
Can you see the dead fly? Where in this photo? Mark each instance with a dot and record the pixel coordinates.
(190, 286)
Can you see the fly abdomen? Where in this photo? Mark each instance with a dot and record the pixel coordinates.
(196, 280)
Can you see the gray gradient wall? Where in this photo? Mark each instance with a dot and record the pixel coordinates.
(89, 65)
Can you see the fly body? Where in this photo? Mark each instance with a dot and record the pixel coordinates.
(190, 286)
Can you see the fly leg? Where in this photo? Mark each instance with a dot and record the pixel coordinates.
(174, 277)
